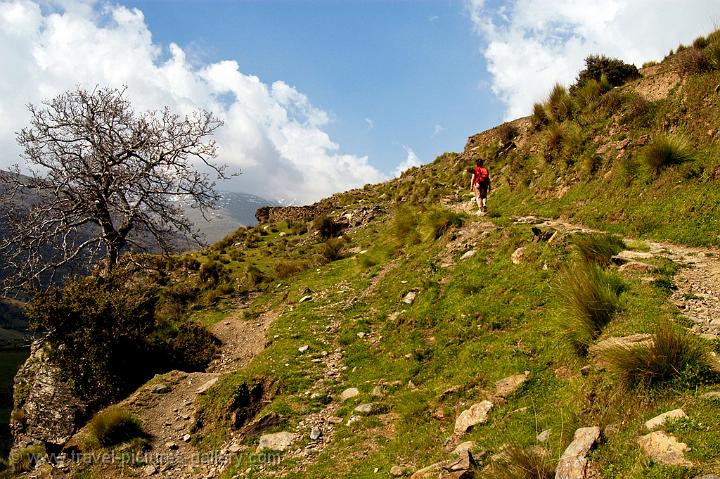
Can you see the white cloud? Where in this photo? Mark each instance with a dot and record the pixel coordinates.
(437, 129)
(370, 123)
(410, 161)
(531, 44)
(433, 18)
(272, 133)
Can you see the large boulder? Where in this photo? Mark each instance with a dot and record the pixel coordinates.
(476, 414)
(664, 448)
(46, 410)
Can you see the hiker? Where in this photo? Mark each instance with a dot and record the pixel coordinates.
(480, 185)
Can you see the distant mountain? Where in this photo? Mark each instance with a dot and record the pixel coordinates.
(235, 210)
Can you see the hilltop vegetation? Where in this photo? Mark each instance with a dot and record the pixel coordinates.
(400, 291)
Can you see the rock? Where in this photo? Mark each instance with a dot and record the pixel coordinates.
(464, 462)
(518, 255)
(464, 447)
(258, 425)
(410, 296)
(468, 254)
(235, 448)
(636, 267)
(149, 470)
(631, 341)
(172, 446)
(186, 437)
(160, 388)
(303, 348)
(397, 471)
(664, 448)
(510, 384)
(364, 409)
(315, 434)
(543, 436)
(334, 420)
(658, 421)
(353, 420)
(459, 468)
(627, 255)
(378, 391)
(279, 441)
(476, 414)
(707, 476)
(712, 395)
(349, 393)
(573, 462)
(204, 388)
(305, 299)
(49, 413)
(585, 370)
(361, 334)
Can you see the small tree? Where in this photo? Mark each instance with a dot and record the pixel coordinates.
(616, 71)
(102, 179)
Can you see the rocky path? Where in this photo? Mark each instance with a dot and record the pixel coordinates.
(166, 405)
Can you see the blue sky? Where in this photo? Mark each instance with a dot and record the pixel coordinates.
(391, 74)
(320, 96)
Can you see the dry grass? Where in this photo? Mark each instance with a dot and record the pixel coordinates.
(666, 150)
(519, 463)
(589, 297)
(115, 426)
(598, 248)
(675, 355)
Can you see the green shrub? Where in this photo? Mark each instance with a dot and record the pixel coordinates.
(331, 250)
(559, 104)
(187, 347)
(553, 138)
(518, 463)
(598, 247)
(24, 460)
(539, 116)
(700, 43)
(115, 426)
(507, 133)
(285, 269)
(693, 61)
(104, 336)
(616, 71)
(666, 150)
(210, 272)
(438, 221)
(327, 227)
(404, 227)
(589, 297)
(674, 355)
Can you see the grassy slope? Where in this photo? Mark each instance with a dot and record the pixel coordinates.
(483, 318)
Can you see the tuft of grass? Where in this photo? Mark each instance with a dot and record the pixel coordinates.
(404, 227)
(598, 247)
(519, 463)
(24, 460)
(589, 297)
(539, 116)
(114, 426)
(332, 249)
(666, 150)
(439, 221)
(675, 355)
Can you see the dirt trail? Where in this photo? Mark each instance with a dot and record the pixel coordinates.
(698, 280)
(166, 405)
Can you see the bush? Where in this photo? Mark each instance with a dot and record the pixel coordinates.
(559, 103)
(332, 249)
(693, 61)
(616, 71)
(666, 150)
(518, 463)
(674, 355)
(327, 227)
(210, 272)
(598, 247)
(700, 43)
(507, 133)
(188, 347)
(588, 297)
(114, 426)
(554, 136)
(539, 116)
(286, 269)
(103, 335)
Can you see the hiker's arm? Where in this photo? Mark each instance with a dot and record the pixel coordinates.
(472, 181)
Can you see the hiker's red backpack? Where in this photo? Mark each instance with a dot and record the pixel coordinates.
(481, 175)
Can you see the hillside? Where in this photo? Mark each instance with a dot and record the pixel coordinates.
(388, 330)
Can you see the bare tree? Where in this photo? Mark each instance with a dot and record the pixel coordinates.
(102, 179)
